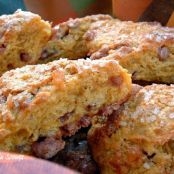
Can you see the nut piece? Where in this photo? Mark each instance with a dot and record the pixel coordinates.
(163, 53)
(47, 53)
(2, 48)
(90, 35)
(47, 148)
(25, 57)
(10, 66)
(116, 81)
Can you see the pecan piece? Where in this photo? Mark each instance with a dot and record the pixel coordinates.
(116, 81)
(10, 66)
(48, 147)
(163, 53)
(25, 57)
(2, 48)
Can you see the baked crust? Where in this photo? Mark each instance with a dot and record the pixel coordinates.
(138, 138)
(145, 49)
(27, 39)
(22, 37)
(67, 38)
(56, 99)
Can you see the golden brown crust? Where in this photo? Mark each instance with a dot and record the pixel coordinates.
(138, 138)
(127, 33)
(56, 99)
(67, 38)
(145, 49)
(22, 37)
(27, 39)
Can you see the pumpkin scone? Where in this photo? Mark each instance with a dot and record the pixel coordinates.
(22, 37)
(27, 39)
(145, 49)
(139, 137)
(40, 104)
(67, 38)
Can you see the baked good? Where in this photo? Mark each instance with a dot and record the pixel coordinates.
(137, 138)
(22, 37)
(67, 38)
(27, 39)
(146, 50)
(40, 104)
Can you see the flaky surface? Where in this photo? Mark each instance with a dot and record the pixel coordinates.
(146, 50)
(67, 38)
(22, 37)
(138, 138)
(56, 99)
(27, 39)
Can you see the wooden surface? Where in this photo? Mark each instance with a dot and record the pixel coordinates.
(20, 164)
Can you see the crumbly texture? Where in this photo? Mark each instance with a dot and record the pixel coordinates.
(138, 138)
(22, 37)
(146, 50)
(27, 39)
(54, 100)
(67, 38)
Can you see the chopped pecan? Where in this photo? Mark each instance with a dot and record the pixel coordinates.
(90, 107)
(25, 57)
(48, 147)
(47, 53)
(2, 48)
(90, 35)
(116, 81)
(60, 31)
(85, 121)
(10, 66)
(163, 53)
(69, 129)
(65, 117)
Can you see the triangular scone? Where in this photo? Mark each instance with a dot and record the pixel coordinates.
(67, 38)
(139, 136)
(46, 102)
(22, 38)
(145, 49)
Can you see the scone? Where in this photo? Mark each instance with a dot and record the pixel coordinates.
(146, 50)
(139, 137)
(40, 104)
(67, 38)
(22, 38)
(27, 39)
